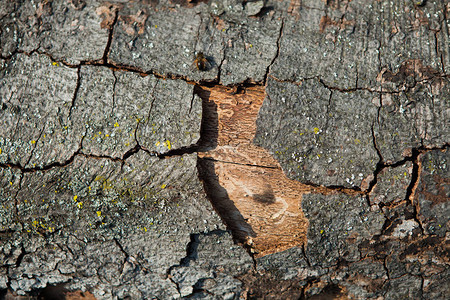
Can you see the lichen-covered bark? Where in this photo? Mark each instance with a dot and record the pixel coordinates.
(309, 159)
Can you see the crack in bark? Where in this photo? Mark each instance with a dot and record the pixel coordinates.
(118, 66)
(414, 158)
(124, 252)
(410, 191)
(191, 255)
(308, 263)
(19, 51)
(35, 146)
(20, 257)
(110, 37)
(75, 92)
(379, 166)
(174, 152)
(179, 151)
(219, 67)
(239, 164)
(153, 100)
(378, 90)
(276, 54)
(192, 101)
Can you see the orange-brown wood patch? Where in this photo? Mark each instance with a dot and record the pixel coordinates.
(245, 183)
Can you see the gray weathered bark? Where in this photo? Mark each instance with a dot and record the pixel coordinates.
(310, 158)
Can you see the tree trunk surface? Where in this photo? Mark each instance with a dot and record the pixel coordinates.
(161, 149)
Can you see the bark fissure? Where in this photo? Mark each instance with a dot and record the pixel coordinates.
(110, 37)
(280, 35)
(240, 164)
(75, 92)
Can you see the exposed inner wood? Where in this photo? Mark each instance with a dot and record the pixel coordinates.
(245, 184)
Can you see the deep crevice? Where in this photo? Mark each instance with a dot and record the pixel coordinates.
(191, 250)
(123, 251)
(415, 176)
(191, 253)
(20, 257)
(179, 151)
(276, 54)
(414, 158)
(379, 166)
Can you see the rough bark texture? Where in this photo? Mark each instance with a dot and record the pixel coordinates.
(308, 159)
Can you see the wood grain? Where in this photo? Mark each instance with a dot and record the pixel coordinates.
(246, 185)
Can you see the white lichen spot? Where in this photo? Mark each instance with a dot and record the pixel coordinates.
(405, 228)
